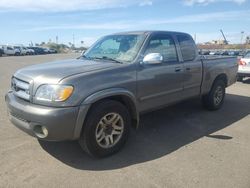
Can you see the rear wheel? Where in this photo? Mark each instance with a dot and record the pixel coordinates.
(215, 98)
(106, 129)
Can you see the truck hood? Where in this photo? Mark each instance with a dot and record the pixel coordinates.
(53, 72)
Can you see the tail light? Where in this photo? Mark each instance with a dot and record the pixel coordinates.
(241, 62)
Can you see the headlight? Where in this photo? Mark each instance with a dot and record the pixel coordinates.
(54, 92)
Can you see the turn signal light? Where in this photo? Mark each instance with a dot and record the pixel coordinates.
(243, 63)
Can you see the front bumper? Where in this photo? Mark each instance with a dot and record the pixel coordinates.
(61, 123)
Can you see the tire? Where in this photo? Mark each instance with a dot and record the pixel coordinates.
(215, 98)
(93, 127)
(240, 78)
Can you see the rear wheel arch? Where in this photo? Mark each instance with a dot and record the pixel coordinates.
(222, 77)
(215, 98)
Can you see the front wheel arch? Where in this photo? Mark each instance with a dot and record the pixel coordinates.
(87, 140)
(117, 94)
(120, 95)
(126, 101)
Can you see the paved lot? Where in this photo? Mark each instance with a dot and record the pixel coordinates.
(180, 146)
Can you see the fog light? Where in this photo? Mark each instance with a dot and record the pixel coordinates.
(41, 131)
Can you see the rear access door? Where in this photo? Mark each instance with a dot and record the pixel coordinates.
(192, 66)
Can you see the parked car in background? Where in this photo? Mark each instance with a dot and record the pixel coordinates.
(37, 50)
(234, 53)
(24, 50)
(29, 51)
(225, 53)
(242, 53)
(244, 67)
(52, 51)
(1, 52)
(212, 52)
(46, 50)
(217, 53)
(204, 52)
(96, 98)
(10, 50)
(49, 50)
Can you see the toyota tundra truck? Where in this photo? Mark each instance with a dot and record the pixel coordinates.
(98, 97)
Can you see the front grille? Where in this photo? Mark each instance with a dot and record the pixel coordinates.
(21, 88)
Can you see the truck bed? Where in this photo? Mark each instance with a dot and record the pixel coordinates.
(216, 65)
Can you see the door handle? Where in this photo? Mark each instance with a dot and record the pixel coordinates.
(188, 68)
(178, 69)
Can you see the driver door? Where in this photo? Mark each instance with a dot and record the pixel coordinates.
(160, 84)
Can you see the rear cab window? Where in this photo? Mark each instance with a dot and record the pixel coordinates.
(187, 47)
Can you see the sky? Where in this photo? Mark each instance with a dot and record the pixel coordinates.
(26, 21)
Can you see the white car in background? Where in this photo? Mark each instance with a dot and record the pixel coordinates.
(244, 67)
(29, 51)
(24, 50)
(46, 50)
(21, 49)
(10, 50)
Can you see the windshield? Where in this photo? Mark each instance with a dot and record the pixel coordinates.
(123, 48)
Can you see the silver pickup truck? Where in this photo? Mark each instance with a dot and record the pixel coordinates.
(99, 96)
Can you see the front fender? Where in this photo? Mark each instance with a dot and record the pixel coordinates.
(108, 93)
(87, 102)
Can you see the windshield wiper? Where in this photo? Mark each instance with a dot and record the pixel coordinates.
(82, 56)
(108, 58)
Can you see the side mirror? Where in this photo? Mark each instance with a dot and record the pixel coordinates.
(153, 58)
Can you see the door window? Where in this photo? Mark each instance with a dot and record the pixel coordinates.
(164, 45)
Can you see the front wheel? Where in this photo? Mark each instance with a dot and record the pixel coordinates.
(106, 129)
(215, 98)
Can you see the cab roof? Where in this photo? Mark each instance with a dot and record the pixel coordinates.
(149, 32)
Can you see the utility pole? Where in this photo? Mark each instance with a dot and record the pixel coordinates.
(56, 39)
